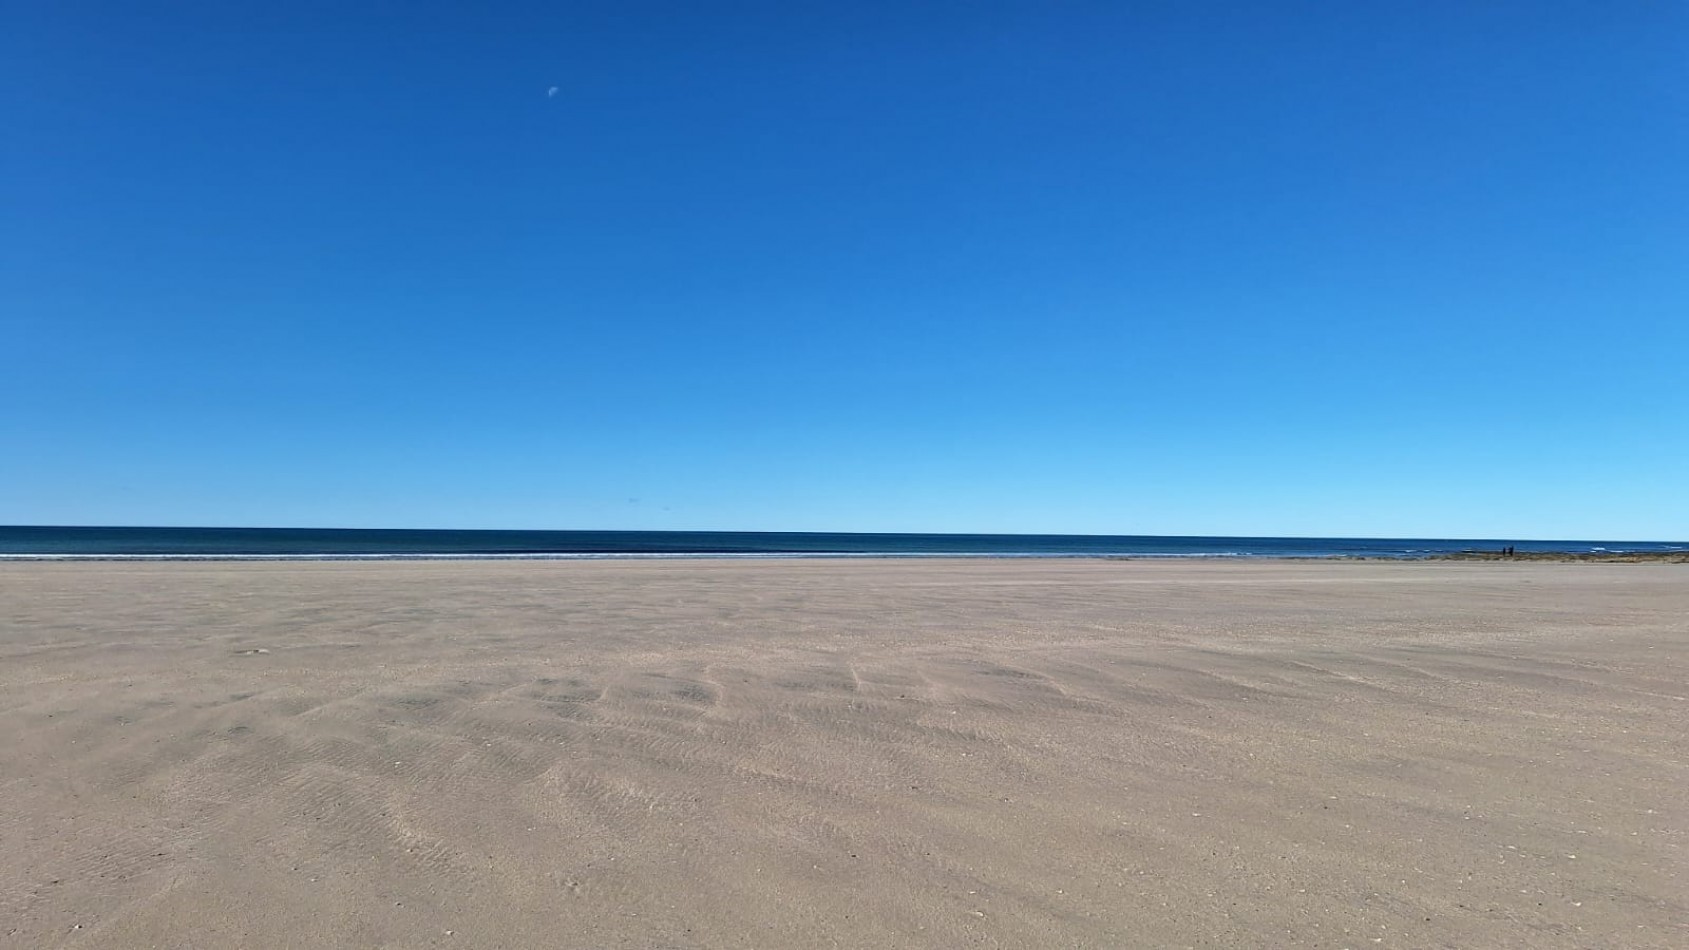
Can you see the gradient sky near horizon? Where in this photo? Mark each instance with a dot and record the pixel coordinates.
(1379, 269)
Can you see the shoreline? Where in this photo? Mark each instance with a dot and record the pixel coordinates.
(1598, 557)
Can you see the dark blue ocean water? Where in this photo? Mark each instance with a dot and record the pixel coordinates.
(399, 543)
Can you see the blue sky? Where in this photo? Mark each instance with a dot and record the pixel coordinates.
(1175, 268)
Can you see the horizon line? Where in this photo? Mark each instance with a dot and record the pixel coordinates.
(1005, 534)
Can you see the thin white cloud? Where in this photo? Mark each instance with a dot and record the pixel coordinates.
(551, 92)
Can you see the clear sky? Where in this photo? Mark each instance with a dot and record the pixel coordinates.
(1390, 269)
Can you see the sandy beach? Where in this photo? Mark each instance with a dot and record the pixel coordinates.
(844, 753)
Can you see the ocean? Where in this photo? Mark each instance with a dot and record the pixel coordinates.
(37, 542)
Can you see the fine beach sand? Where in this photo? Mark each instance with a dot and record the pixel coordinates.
(844, 753)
